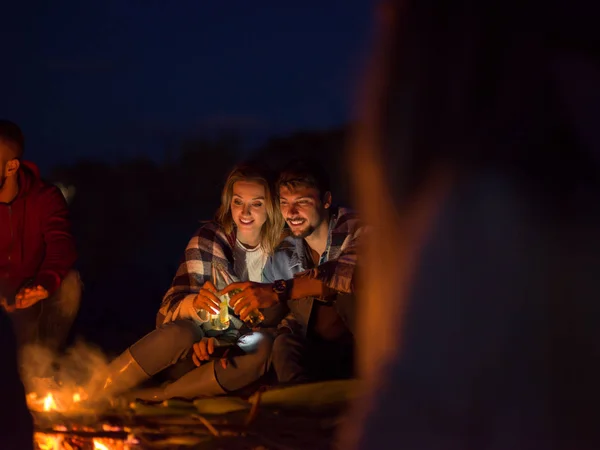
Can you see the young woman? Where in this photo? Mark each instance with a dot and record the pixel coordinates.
(247, 227)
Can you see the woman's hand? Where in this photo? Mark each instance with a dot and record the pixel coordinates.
(204, 348)
(207, 299)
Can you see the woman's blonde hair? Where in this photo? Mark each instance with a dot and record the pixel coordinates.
(273, 227)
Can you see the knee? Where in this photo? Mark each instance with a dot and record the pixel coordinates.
(181, 333)
(284, 343)
(72, 282)
(264, 349)
(68, 295)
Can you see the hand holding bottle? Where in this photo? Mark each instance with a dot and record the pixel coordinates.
(207, 299)
(249, 297)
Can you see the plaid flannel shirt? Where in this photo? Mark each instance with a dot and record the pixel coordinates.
(209, 245)
(292, 260)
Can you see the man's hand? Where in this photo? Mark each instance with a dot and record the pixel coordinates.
(207, 299)
(29, 296)
(4, 304)
(253, 296)
(204, 348)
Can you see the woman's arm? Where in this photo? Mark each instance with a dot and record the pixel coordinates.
(207, 246)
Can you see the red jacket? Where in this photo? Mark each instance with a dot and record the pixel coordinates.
(35, 235)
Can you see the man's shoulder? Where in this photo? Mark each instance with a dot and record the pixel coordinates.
(346, 213)
(347, 220)
(45, 196)
(286, 247)
(49, 189)
(281, 263)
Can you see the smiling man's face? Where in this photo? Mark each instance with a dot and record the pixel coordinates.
(302, 208)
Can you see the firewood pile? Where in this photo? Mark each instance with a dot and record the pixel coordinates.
(300, 417)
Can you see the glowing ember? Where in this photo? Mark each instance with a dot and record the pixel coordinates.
(48, 441)
(49, 403)
(62, 442)
(63, 400)
(99, 445)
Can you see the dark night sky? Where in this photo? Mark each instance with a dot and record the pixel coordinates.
(113, 78)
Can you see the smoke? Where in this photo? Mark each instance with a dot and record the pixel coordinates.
(82, 369)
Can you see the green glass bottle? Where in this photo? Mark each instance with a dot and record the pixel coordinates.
(220, 321)
(255, 317)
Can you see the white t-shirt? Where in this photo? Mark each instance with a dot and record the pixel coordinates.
(249, 263)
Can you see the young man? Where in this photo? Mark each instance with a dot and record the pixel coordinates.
(313, 270)
(38, 286)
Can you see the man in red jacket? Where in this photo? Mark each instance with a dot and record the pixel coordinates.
(38, 286)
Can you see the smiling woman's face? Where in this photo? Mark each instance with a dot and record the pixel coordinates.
(248, 210)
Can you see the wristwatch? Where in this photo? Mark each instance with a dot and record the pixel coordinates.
(282, 288)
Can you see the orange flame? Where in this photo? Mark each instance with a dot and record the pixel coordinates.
(58, 442)
(99, 445)
(50, 403)
(48, 441)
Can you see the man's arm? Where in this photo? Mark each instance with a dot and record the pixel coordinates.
(337, 275)
(61, 252)
(321, 282)
(304, 286)
(289, 324)
(262, 295)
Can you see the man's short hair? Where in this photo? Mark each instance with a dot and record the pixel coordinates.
(304, 172)
(11, 134)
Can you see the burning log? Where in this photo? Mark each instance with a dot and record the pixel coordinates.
(296, 417)
(54, 441)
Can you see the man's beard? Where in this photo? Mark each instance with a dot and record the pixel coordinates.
(301, 234)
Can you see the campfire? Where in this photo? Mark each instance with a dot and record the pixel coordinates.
(45, 441)
(63, 422)
(66, 419)
(64, 415)
(71, 413)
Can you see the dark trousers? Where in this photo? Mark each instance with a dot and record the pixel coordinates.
(297, 359)
(169, 347)
(301, 359)
(48, 322)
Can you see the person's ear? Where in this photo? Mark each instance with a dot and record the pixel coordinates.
(327, 200)
(12, 167)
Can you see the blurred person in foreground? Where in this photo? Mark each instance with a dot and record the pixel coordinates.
(16, 424)
(39, 287)
(244, 233)
(313, 273)
(478, 160)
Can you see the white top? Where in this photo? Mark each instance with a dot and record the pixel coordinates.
(249, 262)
